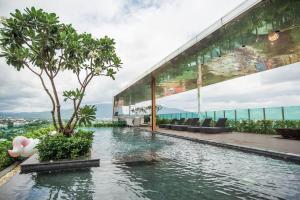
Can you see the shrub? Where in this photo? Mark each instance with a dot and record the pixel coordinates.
(162, 121)
(147, 118)
(119, 123)
(38, 134)
(5, 159)
(60, 146)
(10, 133)
(262, 126)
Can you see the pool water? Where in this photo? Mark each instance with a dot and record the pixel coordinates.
(182, 170)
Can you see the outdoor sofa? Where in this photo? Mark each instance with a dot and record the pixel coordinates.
(219, 128)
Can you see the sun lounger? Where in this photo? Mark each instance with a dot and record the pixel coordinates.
(289, 133)
(189, 122)
(179, 122)
(205, 123)
(219, 128)
(167, 125)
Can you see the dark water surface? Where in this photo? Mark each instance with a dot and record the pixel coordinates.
(180, 170)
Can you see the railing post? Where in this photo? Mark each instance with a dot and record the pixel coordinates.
(206, 114)
(249, 117)
(235, 117)
(214, 115)
(282, 113)
(264, 113)
(224, 115)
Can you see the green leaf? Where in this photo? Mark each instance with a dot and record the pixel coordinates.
(87, 114)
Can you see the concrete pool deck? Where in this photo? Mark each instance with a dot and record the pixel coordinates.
(269, 145)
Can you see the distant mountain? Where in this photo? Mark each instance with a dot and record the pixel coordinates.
(166, 110)
(104, 111)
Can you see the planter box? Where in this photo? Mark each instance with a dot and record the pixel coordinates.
(32, 164)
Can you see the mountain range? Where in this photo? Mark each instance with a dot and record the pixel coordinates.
(104, 111)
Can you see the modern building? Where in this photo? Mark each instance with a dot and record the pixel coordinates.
(254, 37)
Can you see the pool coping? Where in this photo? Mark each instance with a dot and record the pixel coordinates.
(32, 164)
(295, 158)
(9, 168)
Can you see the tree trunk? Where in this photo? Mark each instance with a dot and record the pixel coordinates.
(52, 101)
(57, 103)
(69, 127)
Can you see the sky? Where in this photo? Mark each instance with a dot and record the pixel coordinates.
(145, 32)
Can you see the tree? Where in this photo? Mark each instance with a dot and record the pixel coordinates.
(38, 41)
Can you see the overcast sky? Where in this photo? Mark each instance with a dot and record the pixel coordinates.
(145, 31)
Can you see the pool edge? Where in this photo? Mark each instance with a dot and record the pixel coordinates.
(263, 152)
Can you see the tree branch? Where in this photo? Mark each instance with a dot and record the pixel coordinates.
(50, 76)
(76, 115)
(87, 80)
(47, 91)
(26, 64)
(59, 64)
(78, 78)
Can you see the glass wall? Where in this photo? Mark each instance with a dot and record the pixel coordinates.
(264, 37)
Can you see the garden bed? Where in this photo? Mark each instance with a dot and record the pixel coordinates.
(33, 164)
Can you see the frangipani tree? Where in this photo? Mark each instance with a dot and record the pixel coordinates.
(38, 41)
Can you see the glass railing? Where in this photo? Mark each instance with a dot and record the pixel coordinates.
(275, 113)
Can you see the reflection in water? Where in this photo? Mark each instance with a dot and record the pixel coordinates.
(181, 170)
(131, 147)
(191, 172)
(63, 185)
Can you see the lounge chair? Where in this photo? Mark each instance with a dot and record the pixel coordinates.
(219, 128)
(167, 125)
(190, 122)
(205, 123)
(178, 122)
(289, 133)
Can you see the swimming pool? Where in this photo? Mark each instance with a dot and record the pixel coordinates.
(183, 170)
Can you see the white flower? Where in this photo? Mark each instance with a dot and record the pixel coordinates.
(2, 19)
(92, 54)
(52, 133)
(98, 70)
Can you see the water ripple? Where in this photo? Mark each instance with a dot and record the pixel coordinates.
(181, 170)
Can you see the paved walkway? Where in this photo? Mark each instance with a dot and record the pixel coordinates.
(251, 140)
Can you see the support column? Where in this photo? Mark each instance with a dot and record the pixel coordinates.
(129, 105)
(113, 108)
(153, 103)
(198, 101)
(199, 83)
